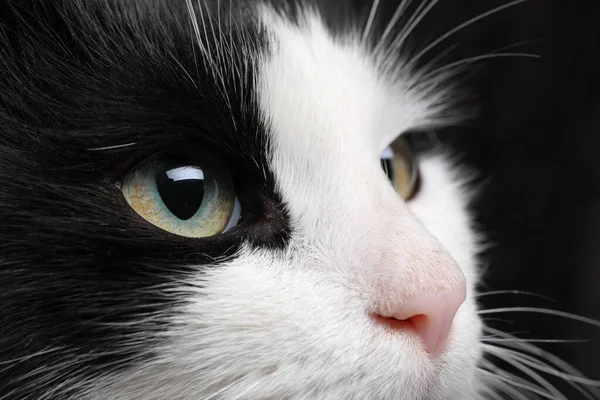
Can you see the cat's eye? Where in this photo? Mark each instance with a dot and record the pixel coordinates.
(187, 198)
(400, 165)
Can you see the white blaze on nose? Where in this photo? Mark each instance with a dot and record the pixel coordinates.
(414, 285)
(326, 109)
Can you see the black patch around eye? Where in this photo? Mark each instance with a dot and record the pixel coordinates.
(79, 269)
(264, 221)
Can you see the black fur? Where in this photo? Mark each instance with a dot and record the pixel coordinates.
(80, 81)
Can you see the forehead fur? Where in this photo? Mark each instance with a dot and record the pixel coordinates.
(314, 88)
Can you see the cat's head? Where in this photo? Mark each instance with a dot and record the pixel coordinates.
(193, 206)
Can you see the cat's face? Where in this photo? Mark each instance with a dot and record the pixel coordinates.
(283, 280)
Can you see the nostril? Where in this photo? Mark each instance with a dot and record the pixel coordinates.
(429, 316)
(410, 323)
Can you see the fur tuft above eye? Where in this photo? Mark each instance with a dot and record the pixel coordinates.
(401, 167)
(184, 197)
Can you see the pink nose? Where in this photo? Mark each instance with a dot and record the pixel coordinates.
(430, 316)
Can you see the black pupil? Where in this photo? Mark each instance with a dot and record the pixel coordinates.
(181, 190)
(386, 164)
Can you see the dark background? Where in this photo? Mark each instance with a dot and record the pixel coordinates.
(536, 142)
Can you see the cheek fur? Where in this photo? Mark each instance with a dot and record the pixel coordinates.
(277, 327)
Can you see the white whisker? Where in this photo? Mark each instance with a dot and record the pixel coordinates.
(570, 374)
(471, 60)
(541, 366)
(206, 56)
(502, 385)
(367, 30)
(462, 26)
(525, 386)
(418, 16)
(397, 14)
(508, 358)
(546, 311)
(192, 81)
(514, 292)
(497, 340)
(118, 146)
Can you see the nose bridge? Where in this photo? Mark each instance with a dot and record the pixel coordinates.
(404, 260)
(405, 277)
(413, 283)
(377, 235)
(378, 240)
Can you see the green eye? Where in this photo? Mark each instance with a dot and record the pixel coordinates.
(195, 200)
(401, 168)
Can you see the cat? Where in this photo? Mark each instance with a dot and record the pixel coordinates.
(223, 200)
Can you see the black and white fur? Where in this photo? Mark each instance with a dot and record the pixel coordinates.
(298, 99)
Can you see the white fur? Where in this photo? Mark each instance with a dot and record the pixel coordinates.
(295, 324)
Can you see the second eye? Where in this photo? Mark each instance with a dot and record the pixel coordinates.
(400, 165)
